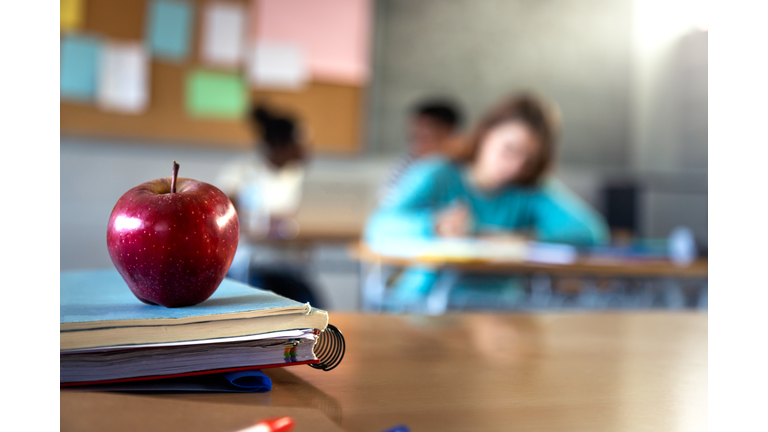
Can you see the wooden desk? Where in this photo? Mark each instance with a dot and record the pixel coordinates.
(491, 372)
(381, 267)
(590, 266)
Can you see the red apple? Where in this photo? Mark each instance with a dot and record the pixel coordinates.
(173, 240)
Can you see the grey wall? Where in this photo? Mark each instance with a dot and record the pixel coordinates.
(669, 122)
(577, 53)
(670, 105)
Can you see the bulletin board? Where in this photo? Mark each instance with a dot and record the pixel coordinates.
(331, 114)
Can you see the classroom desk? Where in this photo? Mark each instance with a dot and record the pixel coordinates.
(590, 266)
(466, 372)
(373, 280)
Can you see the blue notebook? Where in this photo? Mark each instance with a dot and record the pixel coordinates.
(98, 308)
(103, 295)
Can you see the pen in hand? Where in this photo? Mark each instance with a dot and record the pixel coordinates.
(454, 221)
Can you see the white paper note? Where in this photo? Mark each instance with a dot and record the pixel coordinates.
(278, 65)
(223, 34)
(124, 78)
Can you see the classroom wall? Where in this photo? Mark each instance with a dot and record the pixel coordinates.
(577, 53)
(669, 147)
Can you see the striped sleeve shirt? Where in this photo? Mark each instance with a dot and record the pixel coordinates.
(397, 171)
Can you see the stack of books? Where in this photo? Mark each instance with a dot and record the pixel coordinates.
(109, 336)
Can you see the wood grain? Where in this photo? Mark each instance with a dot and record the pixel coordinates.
(98, 412)
(501, 372)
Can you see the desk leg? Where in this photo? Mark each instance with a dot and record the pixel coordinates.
(673, 295)
(437, 300)
(360, 285)
(559, 299)
(373, 286)
(702, 302)
(589, 296)
(646, 293)
(541, 291)
(617, 293)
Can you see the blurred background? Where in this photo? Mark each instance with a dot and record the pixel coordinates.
(144, 83)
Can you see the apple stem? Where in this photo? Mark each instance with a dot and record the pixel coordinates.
(175, 174)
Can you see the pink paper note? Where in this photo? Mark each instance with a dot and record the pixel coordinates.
(335, 34)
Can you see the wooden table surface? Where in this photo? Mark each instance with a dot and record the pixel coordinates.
(489, 372)
(588, 266)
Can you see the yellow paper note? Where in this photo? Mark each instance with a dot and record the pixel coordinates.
(72, 12)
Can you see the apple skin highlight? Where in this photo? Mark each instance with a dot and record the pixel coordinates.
(173, 249)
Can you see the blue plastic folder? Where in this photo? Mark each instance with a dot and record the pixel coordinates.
(250, 381)
(253, 381)
(79, 67)
(170, 29)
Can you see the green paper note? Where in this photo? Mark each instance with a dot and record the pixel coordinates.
(216, 95)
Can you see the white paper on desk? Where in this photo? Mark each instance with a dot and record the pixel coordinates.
(472, 248)
(278, 65)
(223, 34)
(124, 78)
(551, 253)
(454, 249)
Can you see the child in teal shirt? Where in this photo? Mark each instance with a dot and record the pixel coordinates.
(498, 186)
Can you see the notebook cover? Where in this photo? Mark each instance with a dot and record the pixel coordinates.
(103, 296)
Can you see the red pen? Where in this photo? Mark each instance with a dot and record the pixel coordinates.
(277, 424)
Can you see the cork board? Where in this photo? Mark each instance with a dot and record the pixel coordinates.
(331, 114)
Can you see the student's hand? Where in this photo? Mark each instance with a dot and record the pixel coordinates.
(453, 222)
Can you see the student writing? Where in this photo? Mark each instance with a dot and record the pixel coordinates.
(501, 184)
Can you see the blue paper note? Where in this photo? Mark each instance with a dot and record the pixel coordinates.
(170, 29)
(79, 67)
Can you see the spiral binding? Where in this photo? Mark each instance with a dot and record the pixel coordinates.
(330, 348)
